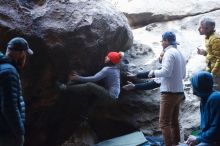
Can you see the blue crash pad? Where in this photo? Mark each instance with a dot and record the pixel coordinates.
(132, 139)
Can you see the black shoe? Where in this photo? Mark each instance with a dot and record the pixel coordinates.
(84, 116)
(61, 86)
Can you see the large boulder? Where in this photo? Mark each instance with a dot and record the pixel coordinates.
(65, 35)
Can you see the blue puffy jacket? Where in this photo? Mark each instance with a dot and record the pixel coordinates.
(202, 83)
(12, 106)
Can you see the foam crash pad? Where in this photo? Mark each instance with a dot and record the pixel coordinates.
(132, 139)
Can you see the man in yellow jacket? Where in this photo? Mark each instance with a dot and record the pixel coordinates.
(212, 51)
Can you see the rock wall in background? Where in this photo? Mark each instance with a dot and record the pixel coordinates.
(144, 12)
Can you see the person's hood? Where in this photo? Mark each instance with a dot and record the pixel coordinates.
(4, 59)
(202, 83)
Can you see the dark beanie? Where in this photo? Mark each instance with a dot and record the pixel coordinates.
(202, 83)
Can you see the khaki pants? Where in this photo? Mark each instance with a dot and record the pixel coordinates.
(168, 119)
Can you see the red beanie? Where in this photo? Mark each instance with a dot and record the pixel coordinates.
(114, 57)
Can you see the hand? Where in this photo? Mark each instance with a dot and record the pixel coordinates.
(201, 51)
(161, 56)
(151, 74)
(191, 141)
(129, 86)
(131, 75)
(160, 59)
(214, 72)
(73, 77)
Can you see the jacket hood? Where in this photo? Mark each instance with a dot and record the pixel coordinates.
(202, 83)
(4, 59)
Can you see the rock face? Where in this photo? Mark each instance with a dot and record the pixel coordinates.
(65, 35)
(143, 12)
(76, 26)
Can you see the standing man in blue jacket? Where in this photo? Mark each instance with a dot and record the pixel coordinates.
(12, 106)
(202, 83)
